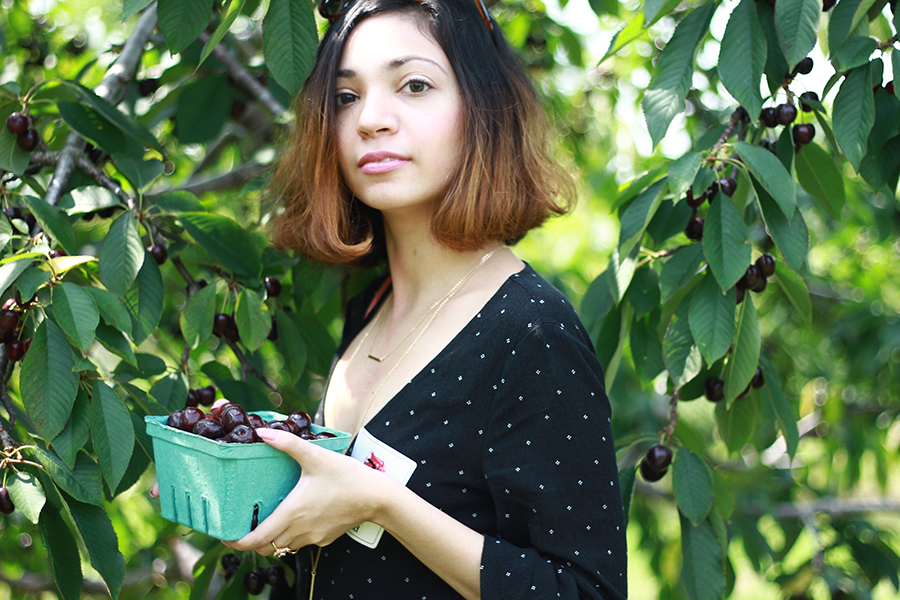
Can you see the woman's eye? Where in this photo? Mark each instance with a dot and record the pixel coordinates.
(345, 98)
(417, 87)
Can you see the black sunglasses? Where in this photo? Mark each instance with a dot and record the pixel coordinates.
(332, 9)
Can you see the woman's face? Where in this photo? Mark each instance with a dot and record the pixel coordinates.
(399, 115)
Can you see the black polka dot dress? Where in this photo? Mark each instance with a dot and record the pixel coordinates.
(510, 429)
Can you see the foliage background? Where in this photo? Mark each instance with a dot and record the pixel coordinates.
(819, 522)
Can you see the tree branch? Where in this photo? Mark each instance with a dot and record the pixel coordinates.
(118, 76)
(829, 506)
(230, 179)
(244, 80)
(83, 163)
(249, 367)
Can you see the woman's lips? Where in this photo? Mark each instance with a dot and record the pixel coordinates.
(376, 163)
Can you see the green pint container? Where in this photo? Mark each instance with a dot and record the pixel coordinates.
(221, 489)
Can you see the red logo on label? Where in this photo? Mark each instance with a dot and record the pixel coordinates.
(374, 462)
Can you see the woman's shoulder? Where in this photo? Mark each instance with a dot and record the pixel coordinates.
(538, 300)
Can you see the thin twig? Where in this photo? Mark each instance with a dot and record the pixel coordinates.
(118, 76)
(244, 80)
(249, 367)
(230, 179)
(669, 430)
(729, 129)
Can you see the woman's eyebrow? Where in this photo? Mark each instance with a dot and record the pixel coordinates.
(393, 65)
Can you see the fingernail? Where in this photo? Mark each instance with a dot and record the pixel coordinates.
(266, 433)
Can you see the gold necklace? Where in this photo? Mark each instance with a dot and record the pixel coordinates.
(434, 310)
(381, 319)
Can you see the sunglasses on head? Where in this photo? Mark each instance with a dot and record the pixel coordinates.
(332, 9)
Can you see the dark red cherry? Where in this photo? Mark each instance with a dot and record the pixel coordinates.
(253, 583)
(273, 287)
(6, 504)
(230, 564)
(750, 278)
(714, 389)
(728, 185)
(206, 395)
(324, 435)
(808, 96)
(191, 415)
(192, 399)
(767, 117)
(17, 123)
(56, 253)
(242, 434)
(9, 320)
(785, 113)
(232, 416)
(175, 419)
(280, 426)
(649, 473)
(274, 575)
(28, 141)
(658, 457)
(760, 286)
(209, 428)
(159, 253)
(759, 378)
(256, 420)
(740, 295)
(15, 350)
(300, 419)
(766, 265)
(221, 322)
(694, 229)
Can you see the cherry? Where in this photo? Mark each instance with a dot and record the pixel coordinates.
(159, 253)
(6, 503)
(808, 96)
(17, 123)
(728, 185)
(714, 389)
(88, 216)
(233, 416)
(804, 67)
(56, 253)
(273, 332)
(750, 278)
(766, 264)
(785, 114)
(712, 191)
(230, 564)
(190, 416)
(242, 434)
(742, 114)
(658, 457)
(280, 426)
(300, 419)
(105, 213)
(274, 575)
(206, 395)
(220, 323)
(273, 287)
(176, 419)
(28, 141)
(694, 201)
(256, 420)
(15, 350)
(324, 435)
(306, 434)
(209, 428)
(9, 320)
(759, 379)
(694, 229)
(828, 5)
(760, 286)
(147, 86)
(649, 473)
(803, 133)
(889, 87)
(767, 117)
(192, 399)
(253, 583)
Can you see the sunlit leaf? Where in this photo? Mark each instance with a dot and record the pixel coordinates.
(692, 485)
(854, 114)
(289, 42)
(744, 357)
(712, 319)
(111, 433)
(47, 382)
(797, 23)
(742, 57)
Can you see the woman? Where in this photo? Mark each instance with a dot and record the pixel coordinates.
(420, 143)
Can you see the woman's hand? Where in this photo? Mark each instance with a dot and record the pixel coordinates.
(335, 493)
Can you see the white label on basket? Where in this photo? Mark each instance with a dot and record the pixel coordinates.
(374, 453)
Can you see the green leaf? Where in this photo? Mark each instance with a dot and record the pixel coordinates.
(703, 562)
(681, 354)
(198, 316)
(742, 57)
(712, 319)
(670, 220)
(621, 270)
(878, 166)
(144, 301)
(627, 477)
(821, 179)
(6, 232)
(31, 280)
(227, 242)
(595, 303)
(771, 174)
(182, 21)
(643, 293)
(87, 199)
(843, 21)
(638, 214)
(692, 484)
(682, 172)
(231, 13)
(855, 52)
(92, 126)
(76, 313)
(27, 494)
(664, 98)
(62, 553)
(203, 108)
(796, 291)
(132, 7)
(726, 244)
(646, 348)
(139, 172)
(742, 363)
(291, 346)
(737, 423)
(76, 432)
(319, 342)
(776, 65)
(84, 482)
(724, 495)
(111, 308)
(12, 157)
(290, 39)
(854, 114)
(129, 126)
(111, 433)
(179, 202)
(632, 31)
(101, 542)
(170, 391)
(797, 23)
(10, 271)
(54, 223)
(48, 385)
(117, 342)
(654, 10)
(121, 255)
(791, 237)
(679, 269)
(253, 319)
(787, 422)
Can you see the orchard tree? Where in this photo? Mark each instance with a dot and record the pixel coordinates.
(746, 309)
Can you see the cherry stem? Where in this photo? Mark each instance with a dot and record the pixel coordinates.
(651, 256)
(669, 430)
(729, 130)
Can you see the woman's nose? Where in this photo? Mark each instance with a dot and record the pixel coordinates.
(376, 116)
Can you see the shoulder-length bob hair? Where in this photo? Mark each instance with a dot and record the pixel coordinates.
(507, 182)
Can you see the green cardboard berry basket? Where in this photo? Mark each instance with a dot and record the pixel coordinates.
(222, 489)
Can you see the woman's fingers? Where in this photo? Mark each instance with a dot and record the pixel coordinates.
(154, 491)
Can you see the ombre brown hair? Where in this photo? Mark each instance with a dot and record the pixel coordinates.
(506, 184)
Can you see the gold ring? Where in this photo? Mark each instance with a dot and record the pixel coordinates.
(282, 552)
